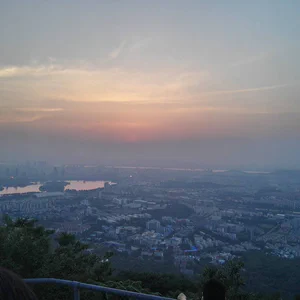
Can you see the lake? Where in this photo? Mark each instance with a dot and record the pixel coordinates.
(81, 185)
(78, 185)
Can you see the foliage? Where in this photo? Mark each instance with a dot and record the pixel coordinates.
(164, 284)
(229, 275)
(32, 251)
(23, 246)
(270, 274)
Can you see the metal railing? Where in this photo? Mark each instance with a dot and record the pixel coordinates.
(92, 287)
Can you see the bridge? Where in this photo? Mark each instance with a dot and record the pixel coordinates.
(77, 286)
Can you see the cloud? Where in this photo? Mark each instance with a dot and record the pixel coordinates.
(79, 82)
(249, 90)
(25, 114)
(140, 44)
(115, 53)
(135, 46)
(36, 109)
(32, 70)
(251, 59)
(20, 119)
(34, 88)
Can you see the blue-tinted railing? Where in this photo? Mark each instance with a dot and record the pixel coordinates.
(92, 287)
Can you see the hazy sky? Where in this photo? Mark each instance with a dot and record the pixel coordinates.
(207, 82)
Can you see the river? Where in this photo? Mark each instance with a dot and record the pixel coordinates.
(78, 185)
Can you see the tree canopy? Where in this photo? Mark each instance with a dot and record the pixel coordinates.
(32, 251)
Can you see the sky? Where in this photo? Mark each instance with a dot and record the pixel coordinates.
(198, 83)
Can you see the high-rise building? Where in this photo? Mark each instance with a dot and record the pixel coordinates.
(153, 225)
(107, 187)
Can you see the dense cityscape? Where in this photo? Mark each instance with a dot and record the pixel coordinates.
(180, 218)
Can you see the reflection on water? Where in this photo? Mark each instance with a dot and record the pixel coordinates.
(78, 185)
(33, 188)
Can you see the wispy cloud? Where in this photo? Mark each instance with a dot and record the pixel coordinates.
(32, 70)
(115, 53)
(89, 83)
(26, 114)
(137, 45)
(249, 90)
(21, 119)
(178, 88)
(140, 44)
(37, 109)
(251, 59)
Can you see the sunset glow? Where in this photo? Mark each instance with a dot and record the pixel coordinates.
(200, 73)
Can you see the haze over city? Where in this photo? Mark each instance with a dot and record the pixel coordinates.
(211, 84)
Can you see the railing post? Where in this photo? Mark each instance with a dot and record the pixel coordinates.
(76, 292)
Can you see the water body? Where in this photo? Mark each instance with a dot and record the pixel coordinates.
(78, 185)
(81, 185)
(32, 188)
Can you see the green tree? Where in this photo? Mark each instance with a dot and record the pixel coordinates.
(65, 239)
(229, 275)
(24, 246)
(28, 250)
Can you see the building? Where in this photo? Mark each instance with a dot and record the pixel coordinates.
(72, 227)
(49, 194)
(120, 201)
(141, 202)
(153, 225)
(107, 187)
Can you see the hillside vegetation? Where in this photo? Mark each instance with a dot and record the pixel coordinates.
(32, 251)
